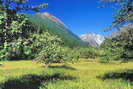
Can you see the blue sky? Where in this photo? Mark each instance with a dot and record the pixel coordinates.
(81, 16)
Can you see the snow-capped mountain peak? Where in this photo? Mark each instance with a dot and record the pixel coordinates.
(93, 39)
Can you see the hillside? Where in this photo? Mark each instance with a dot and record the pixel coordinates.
(48, 22)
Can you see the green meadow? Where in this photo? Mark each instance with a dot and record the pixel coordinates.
(80, 75)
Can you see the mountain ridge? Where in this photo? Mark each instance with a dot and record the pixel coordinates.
(53, 25)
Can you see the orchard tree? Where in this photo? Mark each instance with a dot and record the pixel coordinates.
(123, 21)
(9, 17)
(50, 49)
(15, 27)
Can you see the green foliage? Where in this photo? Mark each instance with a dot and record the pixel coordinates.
(111, 54)
(120, 45)
(88, 53)
(12, 38)
(71, 54)
(124, 12)
(55, 53)
(15, 50)
(20, 5)
(124, 40)
(12, 24)
(75, 54)
(48, 47)
(16, 29)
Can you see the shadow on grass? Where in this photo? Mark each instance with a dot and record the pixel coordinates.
(1, 65)
(126, 75)
(63, 66)
(32, 81)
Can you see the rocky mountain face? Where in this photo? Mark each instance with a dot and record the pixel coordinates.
(93, 39)
(52, 18)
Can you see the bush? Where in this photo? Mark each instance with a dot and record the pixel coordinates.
(88, 53)
(71, 55)
(75, 54)
(111, 54)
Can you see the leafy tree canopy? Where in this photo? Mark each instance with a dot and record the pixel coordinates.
(17, 5)
(15, 29)
(124, 13)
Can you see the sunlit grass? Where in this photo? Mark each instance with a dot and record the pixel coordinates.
(86, 74)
